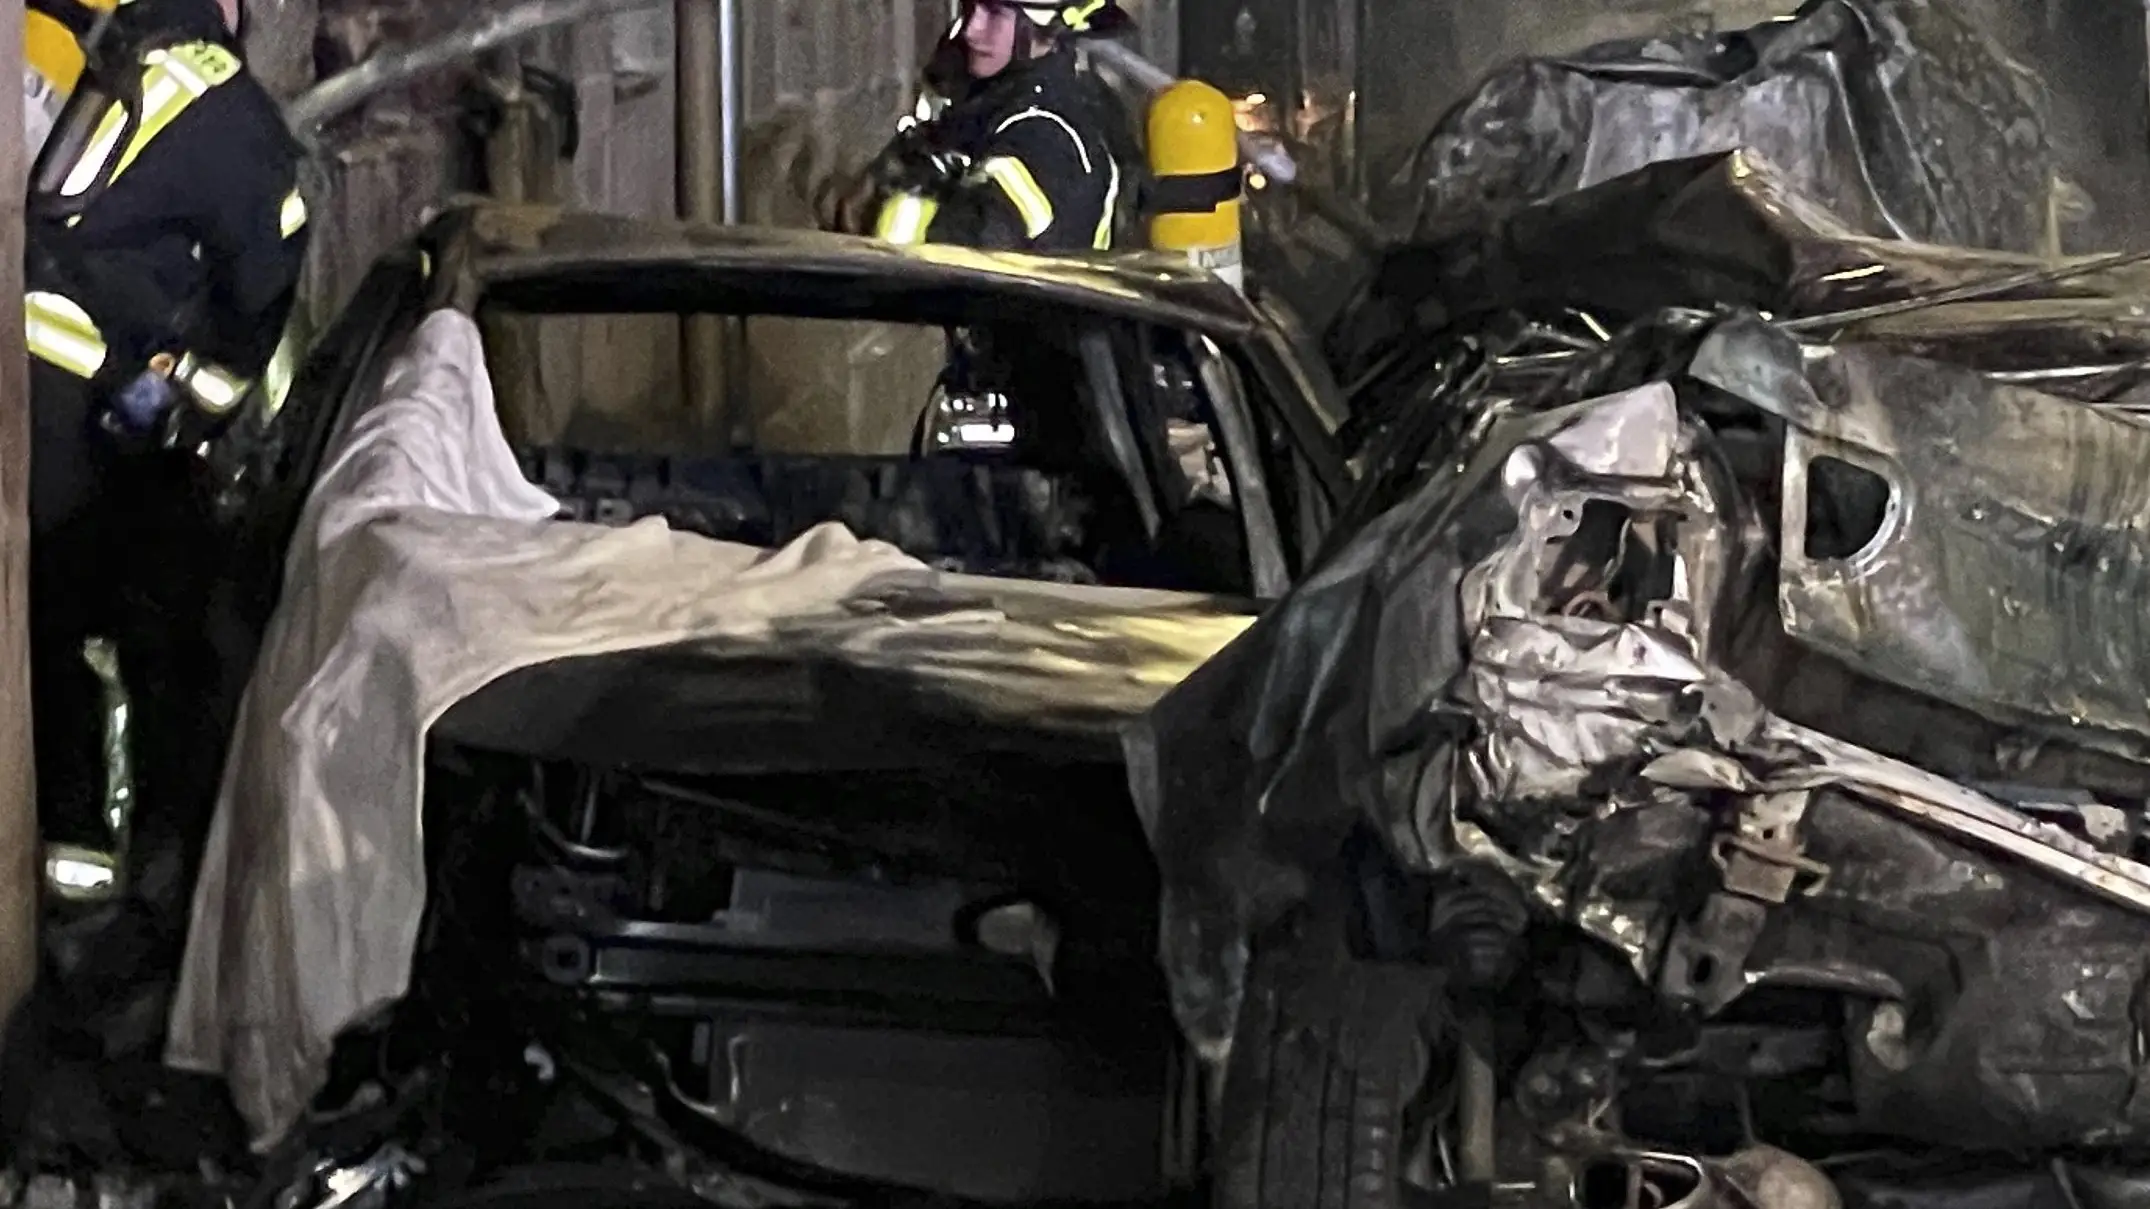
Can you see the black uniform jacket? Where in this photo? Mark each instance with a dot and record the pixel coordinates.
(195, 244)
(1039, 165)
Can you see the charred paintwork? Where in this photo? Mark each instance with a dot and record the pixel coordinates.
(1014, 667)
(526, 254)
(1524, 665)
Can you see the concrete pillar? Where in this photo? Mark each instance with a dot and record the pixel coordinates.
(701, 199)
(18, 808)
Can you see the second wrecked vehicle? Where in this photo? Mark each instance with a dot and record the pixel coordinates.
(1716, 774)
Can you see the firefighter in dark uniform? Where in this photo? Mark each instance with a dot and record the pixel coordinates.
(1027, 153)
(165, 239)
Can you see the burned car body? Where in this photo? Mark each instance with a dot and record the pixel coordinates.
(1727, 230)
(1714, 744)
(1903, 118)
(1908, 121)
(849, 902)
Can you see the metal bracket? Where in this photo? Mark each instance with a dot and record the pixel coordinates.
(1763, 857)
(1763, 863)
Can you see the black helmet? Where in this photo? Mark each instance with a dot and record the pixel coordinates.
(188, 18)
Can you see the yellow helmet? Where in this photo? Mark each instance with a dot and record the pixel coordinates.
(51, 39)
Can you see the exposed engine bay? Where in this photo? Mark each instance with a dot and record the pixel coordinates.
(1738, 808)
(932, 984)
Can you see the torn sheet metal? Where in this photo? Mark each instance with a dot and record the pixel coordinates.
(1284, 733)
(1999, 569)
(1896, 114)
(1728, 230)
(2091, 350)
(1524, 662)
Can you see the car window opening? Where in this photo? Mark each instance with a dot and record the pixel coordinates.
(998, 447)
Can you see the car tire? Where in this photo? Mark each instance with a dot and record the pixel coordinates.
(1328, 1056)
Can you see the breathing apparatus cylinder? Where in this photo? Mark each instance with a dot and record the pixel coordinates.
(52, 64)
(1194, 165)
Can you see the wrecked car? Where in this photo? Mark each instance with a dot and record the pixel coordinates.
(1723, 230)
(1709, 768)
(729, 798)
(1904, 118)
(1907, 120)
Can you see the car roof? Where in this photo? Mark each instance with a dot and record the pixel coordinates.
(545, 258)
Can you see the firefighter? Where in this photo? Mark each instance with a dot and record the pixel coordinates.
(162, 255)
(1027, 153)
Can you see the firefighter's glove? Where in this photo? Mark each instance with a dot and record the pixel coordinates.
(845, 204)
(140, 405)
(916, 162)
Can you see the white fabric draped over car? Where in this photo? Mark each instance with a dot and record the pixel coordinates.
(424, 567)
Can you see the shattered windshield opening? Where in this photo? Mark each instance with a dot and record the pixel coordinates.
(1075, 451)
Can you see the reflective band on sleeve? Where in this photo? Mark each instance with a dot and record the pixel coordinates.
(62, 333)
(96, 157)
(1034, 114)
(1102, 241)
(283, 369)
(217, 390)
(1022, 189)
(293, 216)
(172, 79)
(905, 218)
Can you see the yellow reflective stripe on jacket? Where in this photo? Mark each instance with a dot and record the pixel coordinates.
(293, 215)
(282, 371)
(62, 333)
(1102, 239)
(1015, 180)
(172, 79)
(98, 155)
(905, 218)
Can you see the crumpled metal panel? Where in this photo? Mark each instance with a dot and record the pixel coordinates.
(1894, 113)
(1730, 230)
(1486, 674)
(2092, 350)
(2013, 547)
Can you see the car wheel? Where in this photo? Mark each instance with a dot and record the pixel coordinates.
(1328, 1056)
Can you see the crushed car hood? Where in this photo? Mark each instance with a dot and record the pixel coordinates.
(1567, 615)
